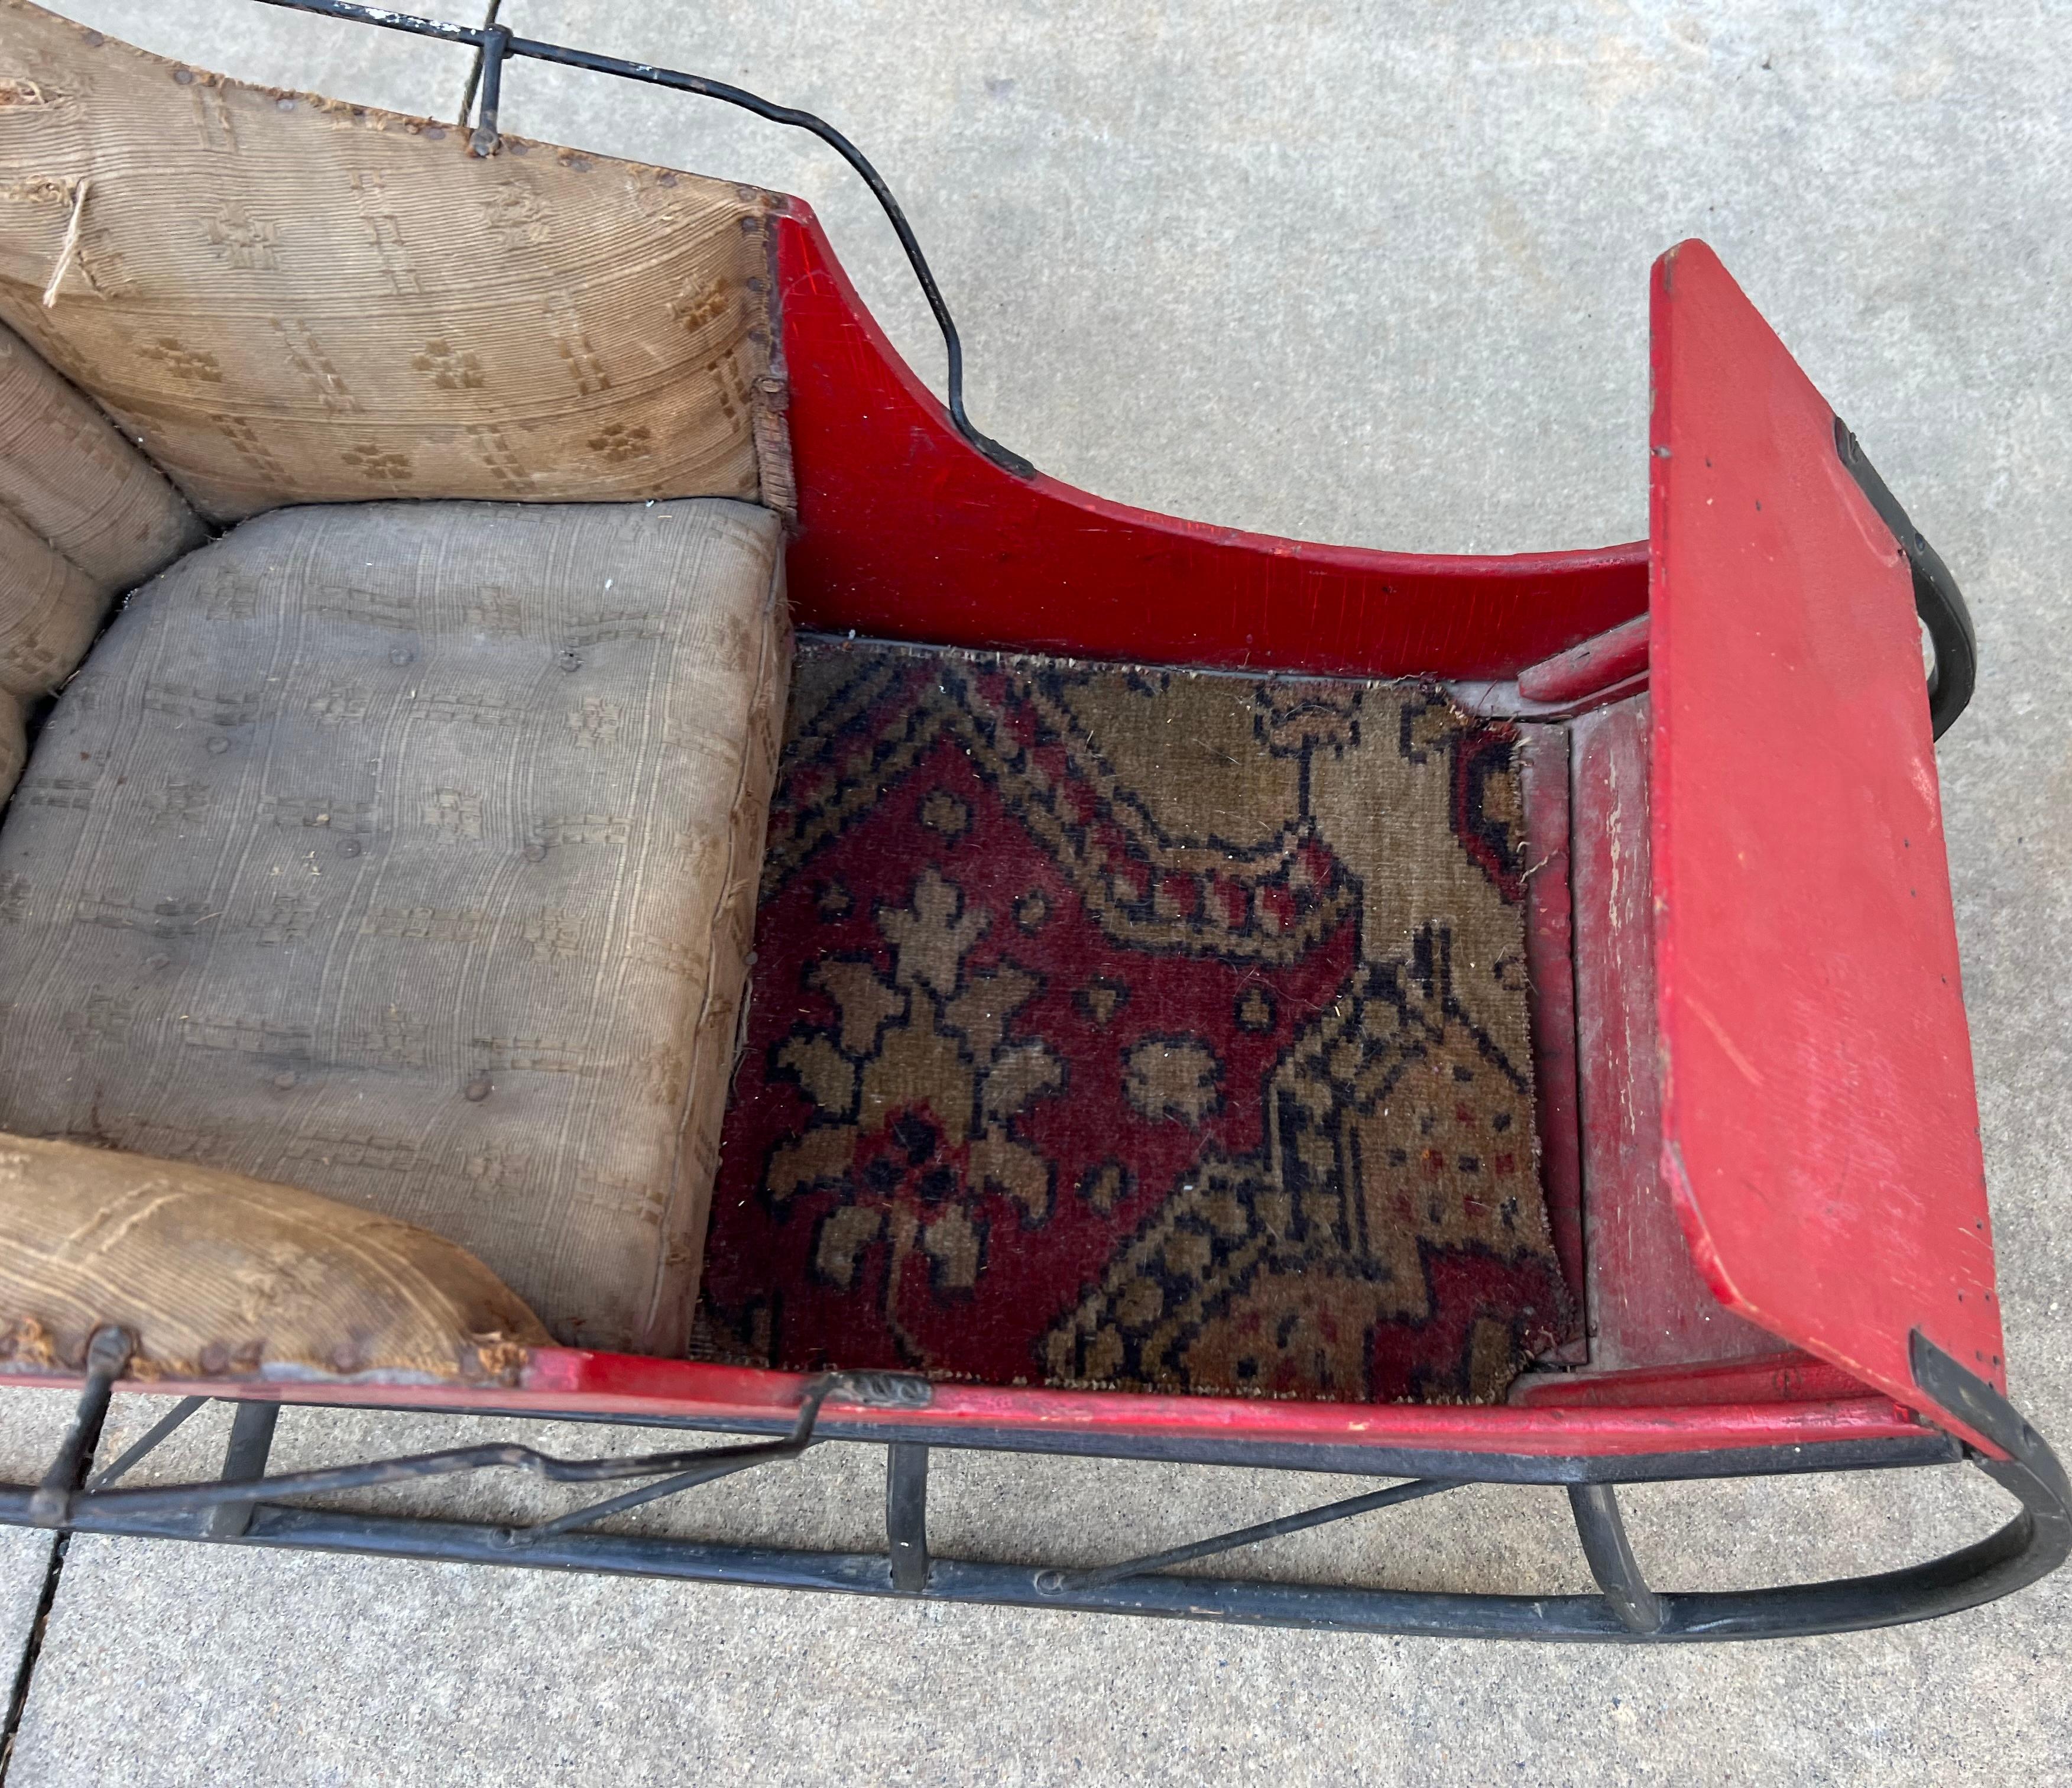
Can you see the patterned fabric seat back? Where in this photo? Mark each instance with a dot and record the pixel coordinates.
(83, 516)
(286, 299)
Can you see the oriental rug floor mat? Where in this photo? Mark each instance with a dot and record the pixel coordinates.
(1135, 1029)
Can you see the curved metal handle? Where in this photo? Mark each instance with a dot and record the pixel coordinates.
(1937, 600)
(495, 44)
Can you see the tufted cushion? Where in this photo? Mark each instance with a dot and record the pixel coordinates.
(407, 853)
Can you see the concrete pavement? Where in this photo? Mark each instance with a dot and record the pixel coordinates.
(1366, 273)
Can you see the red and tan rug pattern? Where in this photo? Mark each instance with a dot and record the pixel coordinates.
(1135, 1029)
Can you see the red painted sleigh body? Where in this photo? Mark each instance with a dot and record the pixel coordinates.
(907, 531)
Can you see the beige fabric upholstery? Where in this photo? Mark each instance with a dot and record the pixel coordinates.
(212, 1273)
(14, 743)
(407, 852)
(82, 517)
(49, 610)
(66, 475)
(290, 299)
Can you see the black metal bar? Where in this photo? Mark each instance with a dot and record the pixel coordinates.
(906, 1516)
(1057, 1582)
(708, 89)
(108, 1352)
(691, 1468)
(716, 1463)
(590, 1512)
(495, 47)
(244, 1463)
(1937, 600)
(353, 14)
(2031, 1473)
(2022, 1551)
(474, 67)
(1978, 1573)
(1603, 1530)
(159, 1432)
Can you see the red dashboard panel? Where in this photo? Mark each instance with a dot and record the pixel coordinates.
(1819, 1119)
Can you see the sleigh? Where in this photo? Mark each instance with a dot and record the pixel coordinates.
(579, 845)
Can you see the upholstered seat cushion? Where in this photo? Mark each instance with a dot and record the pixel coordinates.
(407, 853)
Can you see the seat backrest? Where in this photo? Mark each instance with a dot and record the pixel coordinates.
(82, 516)
(286, 299)
(69, 477)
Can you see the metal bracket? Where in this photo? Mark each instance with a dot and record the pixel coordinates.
(878, 1390)
(2040, 1539)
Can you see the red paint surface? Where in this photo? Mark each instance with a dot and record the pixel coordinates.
(1773, 1377)
(1805, 930)
(1649, 1306)
(560, 1379)
(1820, 1120)
(624, 1383)
(1585, 669)
(908, 532)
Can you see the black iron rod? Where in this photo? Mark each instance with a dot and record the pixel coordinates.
(495, 47)
(1603, 1530)
(706, 87)
(108, 1352)
(740, 1460)
(1059, 1582)
(243, 1462)
(906, 1515)
(710, 1462)
(1990, 1569)
(474, 66)
(159, 1432)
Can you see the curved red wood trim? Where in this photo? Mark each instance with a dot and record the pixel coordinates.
(908, 531)
(561, 1379)
(633, 1385)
